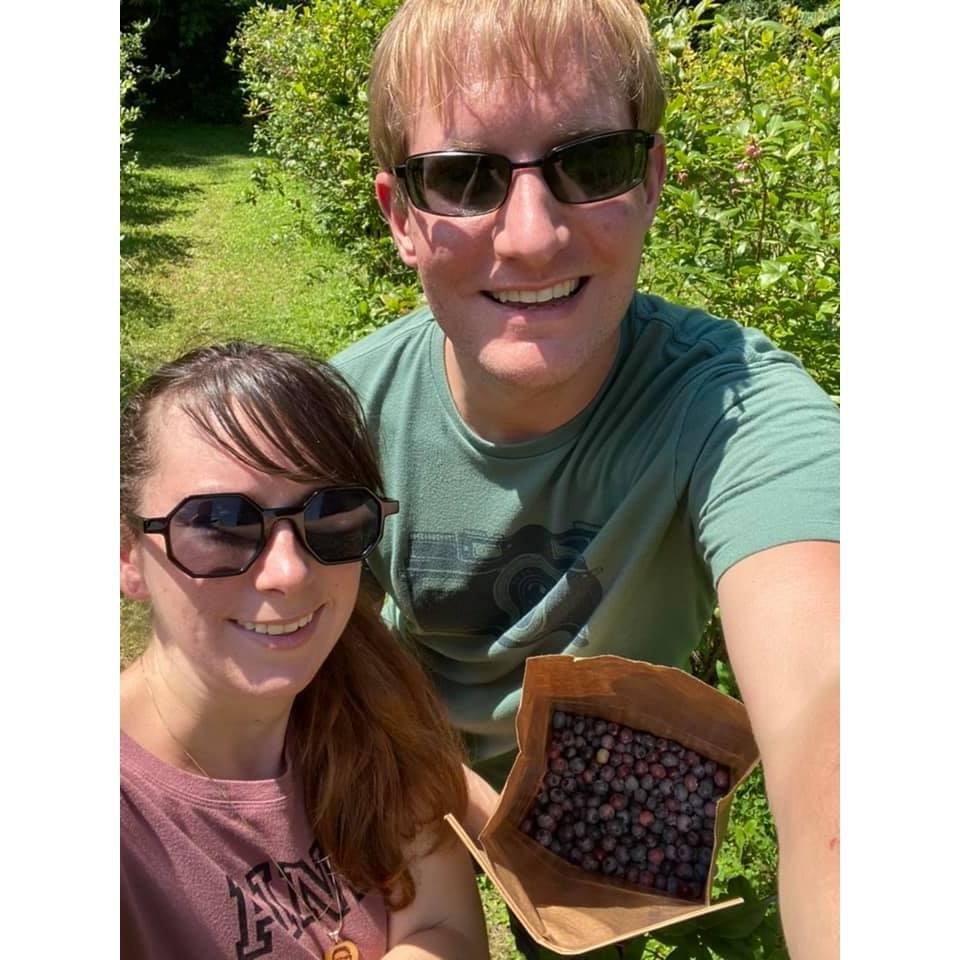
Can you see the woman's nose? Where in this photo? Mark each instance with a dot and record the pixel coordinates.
(284, 563)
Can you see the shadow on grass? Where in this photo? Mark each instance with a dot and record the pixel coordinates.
(183, 144)
(142, 306)
(147, 199)
(151, 249)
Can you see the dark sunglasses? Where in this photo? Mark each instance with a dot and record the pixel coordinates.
(222, 534)
(467, 183)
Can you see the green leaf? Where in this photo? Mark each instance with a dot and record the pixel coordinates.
(680, 933)
(771, 272)
(733, 950)
(604, 953)
(546, 954)
(634, 950)
(739, 923)
(740, 887)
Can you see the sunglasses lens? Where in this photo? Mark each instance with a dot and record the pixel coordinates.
(215, 536)
(458, 184)
(596, 169)
(342, 525)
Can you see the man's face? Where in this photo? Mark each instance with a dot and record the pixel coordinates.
(476, 270)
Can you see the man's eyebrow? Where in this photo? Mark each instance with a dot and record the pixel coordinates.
(563, 133)
(461, 143)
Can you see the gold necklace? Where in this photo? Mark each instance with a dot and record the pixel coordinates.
(340, 949)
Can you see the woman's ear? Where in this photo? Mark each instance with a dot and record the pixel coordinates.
(132, 584)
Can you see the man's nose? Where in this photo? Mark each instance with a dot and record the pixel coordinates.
(531, 225)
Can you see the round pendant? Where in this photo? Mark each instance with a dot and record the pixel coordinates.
(343, 950)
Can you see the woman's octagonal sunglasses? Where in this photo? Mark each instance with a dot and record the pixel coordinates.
(222, 534)
(467, 183)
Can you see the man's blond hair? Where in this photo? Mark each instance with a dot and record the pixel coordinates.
(433, 47)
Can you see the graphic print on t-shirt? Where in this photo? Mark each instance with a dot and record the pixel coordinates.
(269, 900)
(534, 581)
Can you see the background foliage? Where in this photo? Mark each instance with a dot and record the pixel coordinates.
(134, 77)
(188, 40)
(749, 220)
(304, 71)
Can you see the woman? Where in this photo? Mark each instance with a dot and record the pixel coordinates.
(285, 766)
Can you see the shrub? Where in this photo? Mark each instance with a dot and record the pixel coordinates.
(304, 71)
(749, 221)
(131, 52)
(133, 77)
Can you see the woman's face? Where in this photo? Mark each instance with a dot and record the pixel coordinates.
(209, 630)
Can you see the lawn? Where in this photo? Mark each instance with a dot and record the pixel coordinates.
(200, 261)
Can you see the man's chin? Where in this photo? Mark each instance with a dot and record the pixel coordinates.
(543, 365)
(533, 367)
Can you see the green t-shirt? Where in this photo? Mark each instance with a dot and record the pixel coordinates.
(607, 535)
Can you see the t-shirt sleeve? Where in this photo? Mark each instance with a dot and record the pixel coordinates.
(761, 455)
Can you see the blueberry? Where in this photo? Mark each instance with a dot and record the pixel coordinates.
(546, 822)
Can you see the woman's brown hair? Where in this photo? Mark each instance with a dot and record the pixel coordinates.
(379, 760)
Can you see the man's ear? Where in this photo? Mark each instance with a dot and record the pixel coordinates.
(652, 185)
(656, 171)
(131, 576)
(396, 211)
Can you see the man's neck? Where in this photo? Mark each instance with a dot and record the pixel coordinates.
(504, 412)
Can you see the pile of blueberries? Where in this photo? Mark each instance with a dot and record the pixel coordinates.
(629, 805)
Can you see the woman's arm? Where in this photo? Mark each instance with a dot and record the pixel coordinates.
(445, 920)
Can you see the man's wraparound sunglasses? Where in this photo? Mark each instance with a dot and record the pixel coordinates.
(467, 183)
(222, 534)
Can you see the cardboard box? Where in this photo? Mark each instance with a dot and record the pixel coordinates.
(563, 907)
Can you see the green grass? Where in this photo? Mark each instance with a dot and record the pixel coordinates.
(201, 262)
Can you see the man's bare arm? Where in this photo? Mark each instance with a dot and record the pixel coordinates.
(780, 611)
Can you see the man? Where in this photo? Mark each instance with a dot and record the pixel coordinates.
(584, 469)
